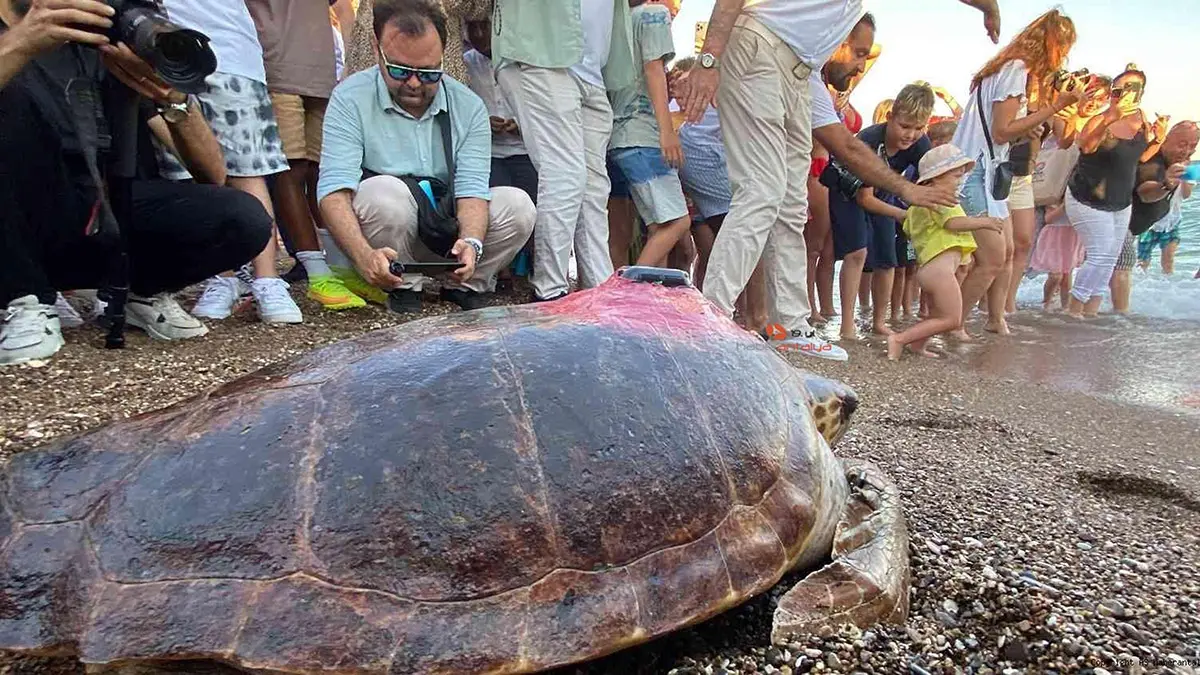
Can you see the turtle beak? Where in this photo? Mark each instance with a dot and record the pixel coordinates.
(849, 405)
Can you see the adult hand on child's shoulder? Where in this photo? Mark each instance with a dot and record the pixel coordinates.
(930, 196)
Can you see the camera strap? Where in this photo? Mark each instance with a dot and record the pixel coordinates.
(83, 104)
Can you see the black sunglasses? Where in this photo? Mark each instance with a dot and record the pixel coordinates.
(402, 73)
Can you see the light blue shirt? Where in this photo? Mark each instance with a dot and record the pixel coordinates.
(365, 129)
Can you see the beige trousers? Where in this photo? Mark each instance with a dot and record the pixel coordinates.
(766, 124)
(387, 213)
(566, 124)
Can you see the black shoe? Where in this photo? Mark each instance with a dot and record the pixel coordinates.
(404, 301)
(296, 274)
(468, 300)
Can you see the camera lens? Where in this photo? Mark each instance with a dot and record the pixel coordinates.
(184, 60)
(182, 57)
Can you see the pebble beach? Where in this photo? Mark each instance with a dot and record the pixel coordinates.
(1052, 531)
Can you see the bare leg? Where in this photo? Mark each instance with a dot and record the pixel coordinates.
(937, 278)
(661, 240)
(314, 171)
(1121, 285)
(1168, 258)
(989, 258)
(1049, 289)
(825, 278)
(848, 283)
(911, 289)
(899, 284)
(620, 230)
(881, 295)
(864, 288)
(1064, 289)
(815, 233)
(264, 263)
(756, 299)
(1024, 223)
(705, 234)
(293, 211)
(997, 295)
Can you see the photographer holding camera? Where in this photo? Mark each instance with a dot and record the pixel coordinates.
(81, 202)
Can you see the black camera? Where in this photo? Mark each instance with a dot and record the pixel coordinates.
(1064, 80)
(182, 57)
(837, 177)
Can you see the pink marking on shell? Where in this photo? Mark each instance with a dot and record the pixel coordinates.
(645, 307)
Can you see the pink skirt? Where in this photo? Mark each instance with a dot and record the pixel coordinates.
(1058, 250)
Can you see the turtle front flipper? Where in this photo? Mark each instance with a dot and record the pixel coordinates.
(868, 579)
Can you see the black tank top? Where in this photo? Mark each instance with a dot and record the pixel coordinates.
(1106, 178)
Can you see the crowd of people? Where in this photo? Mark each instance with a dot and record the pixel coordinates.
(393, 145)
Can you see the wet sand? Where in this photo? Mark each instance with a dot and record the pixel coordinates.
(1052, 495)
(1138, 360)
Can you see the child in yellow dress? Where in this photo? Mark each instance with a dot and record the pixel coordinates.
(943, 241)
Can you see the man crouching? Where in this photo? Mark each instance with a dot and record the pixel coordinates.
(384, 136)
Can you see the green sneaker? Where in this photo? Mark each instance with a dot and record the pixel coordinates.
(353, 282)
(333, 294)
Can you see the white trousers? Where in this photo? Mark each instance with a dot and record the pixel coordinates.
(387, 214)
(1103, 234)
(766, 124)
(566, 125)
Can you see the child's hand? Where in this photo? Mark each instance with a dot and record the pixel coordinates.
(672, 151)
(995, 225)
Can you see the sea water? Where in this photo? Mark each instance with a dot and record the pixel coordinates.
(1154, 294)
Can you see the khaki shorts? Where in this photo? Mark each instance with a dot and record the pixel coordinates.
(1021, 194)
(300, 120)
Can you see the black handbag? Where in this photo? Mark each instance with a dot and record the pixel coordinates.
(1003, 173)
(437, 220)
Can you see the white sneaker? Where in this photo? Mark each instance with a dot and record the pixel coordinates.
(67, 316)
(275, 304)
(810, 344)
(218, 298)
(162, 317)
(31, 331)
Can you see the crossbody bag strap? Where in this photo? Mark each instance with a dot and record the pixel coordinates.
(448, 147)
(983, 121)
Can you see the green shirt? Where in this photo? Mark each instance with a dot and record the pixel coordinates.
(549, 34)
(634, 124)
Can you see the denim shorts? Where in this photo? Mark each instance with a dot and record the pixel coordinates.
(620, 184)
(654, 185)
(973, 194)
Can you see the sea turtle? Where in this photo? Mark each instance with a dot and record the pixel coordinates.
(504, 490)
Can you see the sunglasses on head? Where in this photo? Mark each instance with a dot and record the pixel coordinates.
(402, 73)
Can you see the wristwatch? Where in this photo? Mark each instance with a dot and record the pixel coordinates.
(477, 245)
(174, 113)
(707, 60)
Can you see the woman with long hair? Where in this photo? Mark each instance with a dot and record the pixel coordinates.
(998, 108)
(1100, 191)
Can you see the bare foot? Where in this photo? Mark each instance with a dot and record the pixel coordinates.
(907, 316)
(999, 327)
(1074, 315)
(961, 335)
(881, 329)
(894, 348)
(817, 319)
(922, 351)
(850, 333)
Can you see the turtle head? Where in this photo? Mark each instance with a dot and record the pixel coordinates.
(832, 403)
